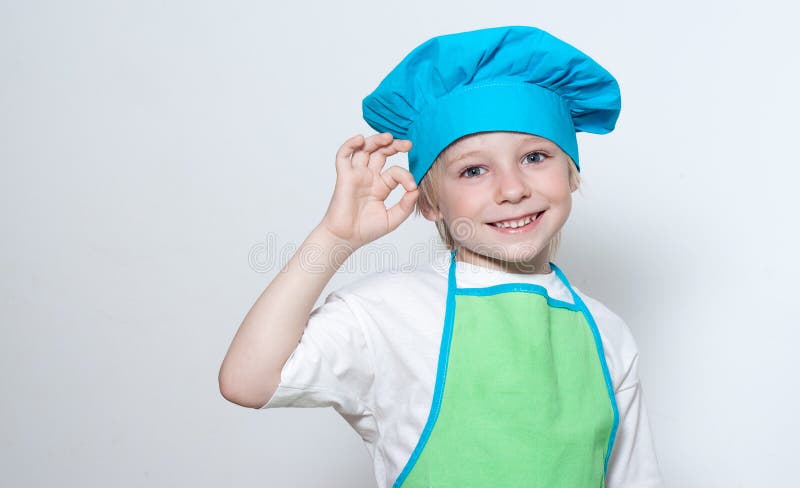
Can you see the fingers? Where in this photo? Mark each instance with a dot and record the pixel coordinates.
(378, 158)
(402, 209)
(372, 143)
(346, 151)
(396, 175)
(370, 152)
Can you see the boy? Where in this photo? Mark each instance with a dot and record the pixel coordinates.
(487, 368)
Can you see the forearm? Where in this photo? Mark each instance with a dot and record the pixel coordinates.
(272, 328)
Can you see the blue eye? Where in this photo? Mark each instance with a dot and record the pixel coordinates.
(535, 153)
(468, 172)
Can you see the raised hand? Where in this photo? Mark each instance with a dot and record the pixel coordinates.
(357, 214)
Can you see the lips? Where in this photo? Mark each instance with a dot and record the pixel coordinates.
(517, 219)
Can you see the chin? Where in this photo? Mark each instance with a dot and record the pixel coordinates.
(526, 258)
(522, 253)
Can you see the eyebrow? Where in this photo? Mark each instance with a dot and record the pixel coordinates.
(463, 156)
(479, 151)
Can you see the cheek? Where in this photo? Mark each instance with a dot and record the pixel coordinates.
(466, 209)
(463, 219)
(556, 188)
(564, 207)
(458, 204)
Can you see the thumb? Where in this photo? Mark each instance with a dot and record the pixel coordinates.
(402, 209)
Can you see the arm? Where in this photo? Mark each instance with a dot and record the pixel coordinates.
(272, 328)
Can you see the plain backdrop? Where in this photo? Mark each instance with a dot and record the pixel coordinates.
(160, 159)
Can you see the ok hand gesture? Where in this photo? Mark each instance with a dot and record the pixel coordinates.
(357, 214)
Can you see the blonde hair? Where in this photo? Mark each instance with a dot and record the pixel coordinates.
(428, 199)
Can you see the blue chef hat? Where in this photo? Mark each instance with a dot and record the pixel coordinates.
(516, 78)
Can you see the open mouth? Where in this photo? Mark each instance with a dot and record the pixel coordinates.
(519, 225)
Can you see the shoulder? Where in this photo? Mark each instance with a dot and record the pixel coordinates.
(619, 344)
(393, 293)
(395, 284)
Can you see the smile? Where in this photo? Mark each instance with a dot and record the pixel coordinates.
(518, 225)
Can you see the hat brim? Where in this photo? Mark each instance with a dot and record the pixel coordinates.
(496, 106)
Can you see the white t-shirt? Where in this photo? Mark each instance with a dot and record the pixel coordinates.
(371, 351)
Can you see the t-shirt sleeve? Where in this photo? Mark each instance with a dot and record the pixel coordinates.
(633, 461)
(331, 365)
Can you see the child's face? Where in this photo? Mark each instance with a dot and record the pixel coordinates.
(501, 176)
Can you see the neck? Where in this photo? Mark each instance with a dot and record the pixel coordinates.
(538, 265)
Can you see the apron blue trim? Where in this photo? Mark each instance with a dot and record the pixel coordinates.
(522, 287)
(601, 353)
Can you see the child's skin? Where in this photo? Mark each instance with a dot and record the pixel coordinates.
(488, 177)
(357, 215)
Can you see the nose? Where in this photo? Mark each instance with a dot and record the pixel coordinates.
(511, 185)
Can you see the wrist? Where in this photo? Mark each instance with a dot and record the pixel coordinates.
(329, 247)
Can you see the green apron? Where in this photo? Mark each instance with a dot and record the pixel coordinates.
(523, 396)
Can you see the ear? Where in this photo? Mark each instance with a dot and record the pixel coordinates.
(572, 187)
(573, 184)
(430, 214)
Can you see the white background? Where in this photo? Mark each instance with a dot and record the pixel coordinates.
(154, 153)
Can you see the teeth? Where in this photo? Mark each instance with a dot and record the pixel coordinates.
(514, 223)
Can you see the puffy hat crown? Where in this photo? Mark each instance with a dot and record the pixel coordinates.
(515, 78)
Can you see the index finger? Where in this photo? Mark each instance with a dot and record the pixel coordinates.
(378, 158)
(346, 151)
